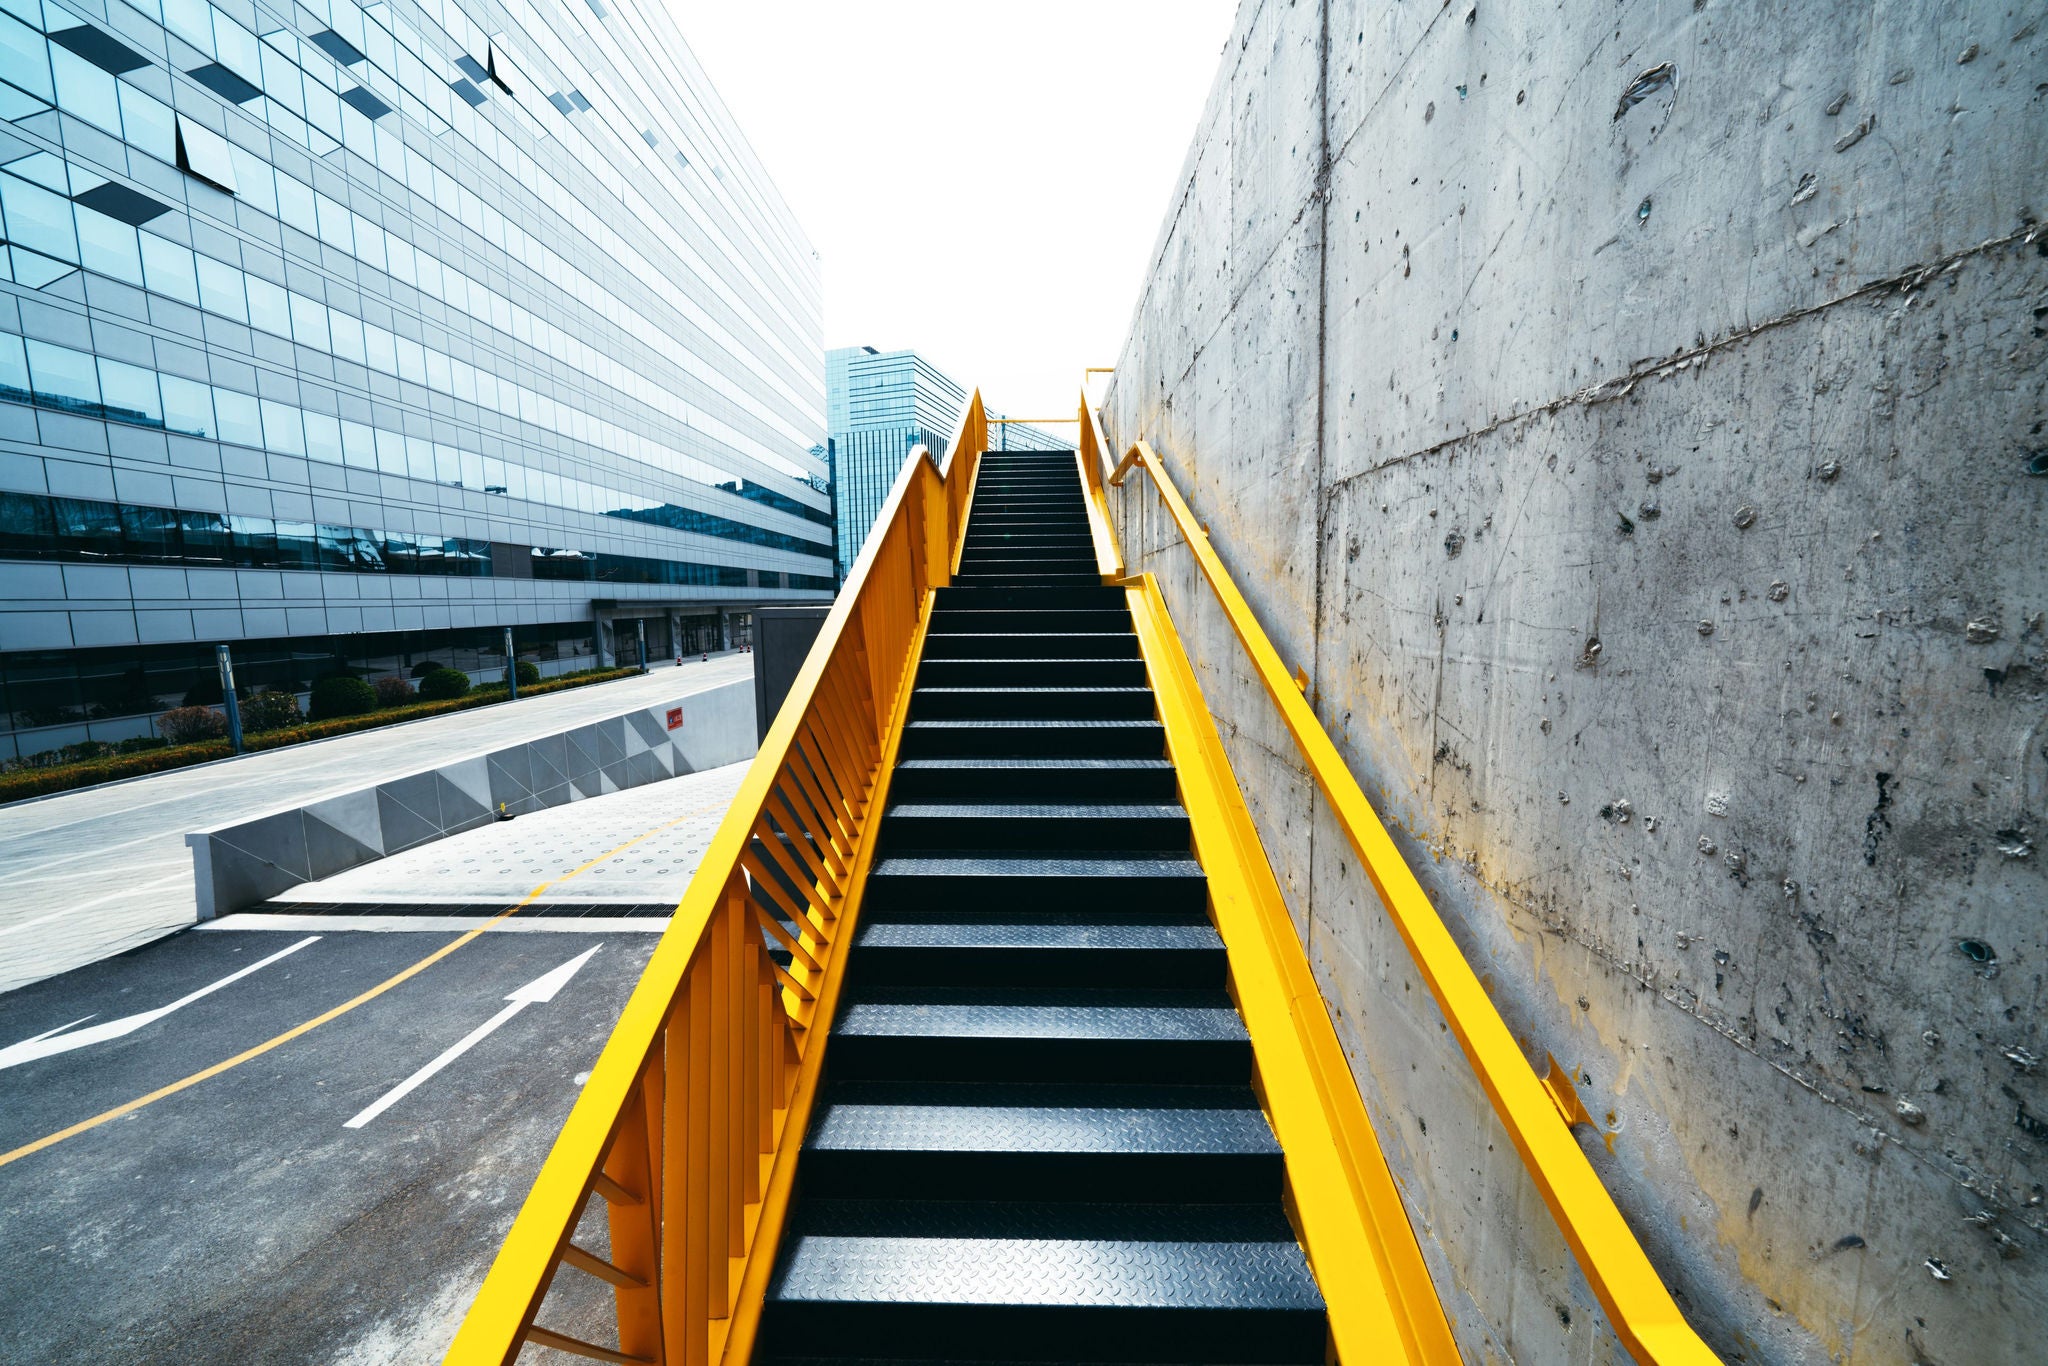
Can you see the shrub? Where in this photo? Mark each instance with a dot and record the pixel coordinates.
(529, 673)
(185, 725)
(139, 744)
(342, 695)
(82, 750)
(271, 711)
(443, 685)
(393, 691)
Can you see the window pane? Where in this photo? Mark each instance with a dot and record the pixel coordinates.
(192, 21)
(282, 430)
(323, 438)
(334, 225)
(382, 348)
(38, 219)
(108, 245)
(206, 538)
(358, 446)
(296, 546)
(220, 289)
(149, 123)
(419, 458)
(188, 405)
(63, 378)
(130, 393)
(25, 59)
(207, 155)
(237, 49)
(151, 535)
(255, 542)
(390, 451)
(268, 308)
(369, 241)
(168, 269)
(412, 361)
(309, 323)
(87, 529)
(240, 419)
(295, 205)
(347, 335)
(26, 532)
(13, 369)
(85, 90)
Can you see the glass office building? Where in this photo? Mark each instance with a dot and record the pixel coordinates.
(350, 336)
(879, 405)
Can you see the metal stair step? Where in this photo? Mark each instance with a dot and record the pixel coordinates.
(1133, 888)
(1017, 702)
(994, 645)
(1031, 621)
(950, 827)
(1039, 950)
(1027, 779)
(941, 673)
(1046, 737)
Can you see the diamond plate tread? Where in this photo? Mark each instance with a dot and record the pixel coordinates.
(974, 763)
(1034, 635)
(1028, 811)
(1089, 690)
(985, 866)
(852, 1127)
(1033, 723)
(958, 1013)
(1181, 1222)
(1040, 934)
(1041, 1093)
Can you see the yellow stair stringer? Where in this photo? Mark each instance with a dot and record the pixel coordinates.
(1382, 1303)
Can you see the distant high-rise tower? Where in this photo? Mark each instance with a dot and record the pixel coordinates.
(878, 406)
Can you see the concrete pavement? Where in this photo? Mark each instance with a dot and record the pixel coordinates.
(242, 1218)
(92, 873)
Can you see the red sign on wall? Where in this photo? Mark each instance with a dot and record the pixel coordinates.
(675, 718)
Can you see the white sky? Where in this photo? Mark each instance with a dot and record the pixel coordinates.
(984, 181)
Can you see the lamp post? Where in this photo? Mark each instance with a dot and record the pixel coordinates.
(511, 666)
(640, 635)
(227, 693)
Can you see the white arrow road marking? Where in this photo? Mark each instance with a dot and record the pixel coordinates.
(539, 990)
(45, 1045)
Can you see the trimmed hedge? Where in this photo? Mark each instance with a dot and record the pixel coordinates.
(339, 695)
(444, 685)
(38, 782)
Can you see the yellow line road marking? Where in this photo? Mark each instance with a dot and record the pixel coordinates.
(204, 1074)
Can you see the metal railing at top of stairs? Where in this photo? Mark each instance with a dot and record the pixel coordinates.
(689, 1124)
(1537, 1112)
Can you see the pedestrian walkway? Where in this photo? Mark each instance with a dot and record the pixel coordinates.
(91, 873)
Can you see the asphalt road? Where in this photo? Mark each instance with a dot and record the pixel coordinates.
(241, 1219)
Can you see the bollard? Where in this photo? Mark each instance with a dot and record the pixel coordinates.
(227, 693)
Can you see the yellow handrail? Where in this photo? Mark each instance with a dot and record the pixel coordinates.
(1637, 1303)
(689, 1124)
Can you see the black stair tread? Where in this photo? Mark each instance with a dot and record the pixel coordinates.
(1108, 1256)
(1025, 761)
(1007, 689)
(1040, 933)
(1069, 1128)
(1075, 1014)
(1112, 866)
(1041, 811)
(1032, 723)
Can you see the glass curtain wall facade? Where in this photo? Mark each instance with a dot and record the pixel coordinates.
(355, 334)
(879, 405)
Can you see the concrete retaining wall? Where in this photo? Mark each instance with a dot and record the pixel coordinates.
(1637, 457)
(250, 861)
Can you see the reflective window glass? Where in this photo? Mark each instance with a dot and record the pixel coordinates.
(130, 393)
(108, 246)
(267, 306)
(281, 80)
(323, 438)
(85, 90)
(412, 361)
(282, 430)
(241, 421)
(447, 463)
(63, 378)
(382, 348)
(309, 323)
(191, 20)
(237, 49)
(221, 291)
(207, 155)
(369, 241)
(167, 268)
(87, 528)
(358, 445)
(399, 261)
(148, 123)
(25, 59)
(419, 457)
(347, 335)
(188, 405)
(255, 542)
(334, 224)
(151, 536)
(38, 219)
(295, 205)
(206, 538)
(390, 451)
(13, 369)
